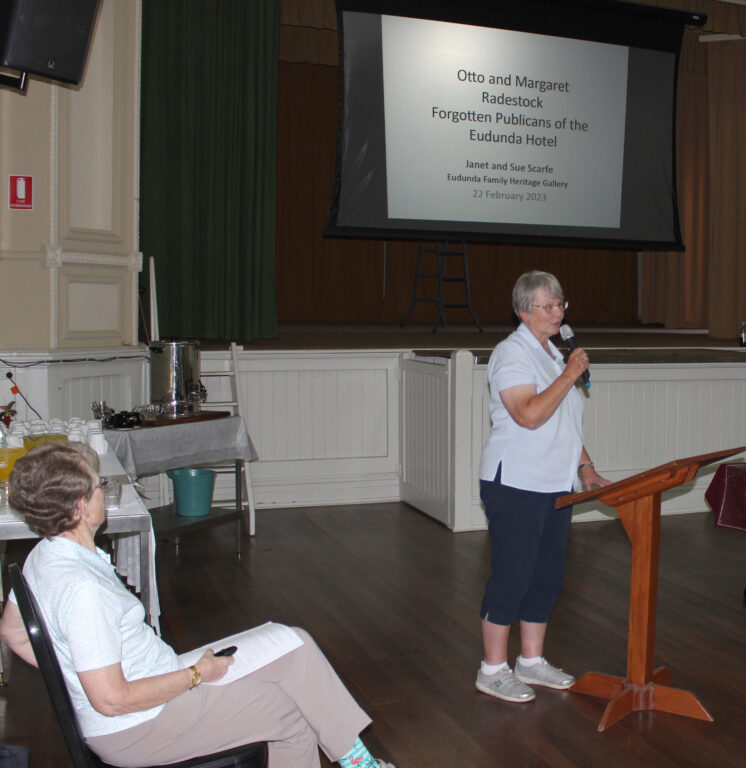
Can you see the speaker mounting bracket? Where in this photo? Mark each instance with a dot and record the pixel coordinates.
(18, 82)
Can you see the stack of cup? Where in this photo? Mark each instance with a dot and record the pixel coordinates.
(75, 430)
(57, 430)
(20, 429)
(37, 431)
(95, 424)
(38, 426)
(75, 435)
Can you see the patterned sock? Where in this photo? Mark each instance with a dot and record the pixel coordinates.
(358, 757)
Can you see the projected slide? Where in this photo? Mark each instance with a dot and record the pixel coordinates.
(544, 121)
(493, 125)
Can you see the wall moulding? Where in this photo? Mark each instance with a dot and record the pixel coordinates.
(92, 306)
(55, 257)
(95, 142)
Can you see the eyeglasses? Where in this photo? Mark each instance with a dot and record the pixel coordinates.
(102, 483)
(558, 306)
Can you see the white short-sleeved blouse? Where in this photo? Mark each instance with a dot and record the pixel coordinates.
(93, 622)
(543, 459)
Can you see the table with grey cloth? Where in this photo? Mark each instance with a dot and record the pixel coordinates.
(148, 450)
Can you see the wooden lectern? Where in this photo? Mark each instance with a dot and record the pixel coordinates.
(637, 500)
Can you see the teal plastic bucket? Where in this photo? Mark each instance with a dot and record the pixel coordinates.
(192, 491)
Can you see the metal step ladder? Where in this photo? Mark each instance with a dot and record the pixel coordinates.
(244, 490)
(438, 255)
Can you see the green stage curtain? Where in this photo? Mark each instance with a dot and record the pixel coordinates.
(208, 147)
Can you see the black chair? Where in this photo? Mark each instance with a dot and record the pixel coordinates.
(248, 756)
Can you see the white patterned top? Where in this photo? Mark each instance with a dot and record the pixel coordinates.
(94, 621)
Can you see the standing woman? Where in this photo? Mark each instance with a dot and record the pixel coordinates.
(532, 456)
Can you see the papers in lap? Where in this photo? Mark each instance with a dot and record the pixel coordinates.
(257, 647)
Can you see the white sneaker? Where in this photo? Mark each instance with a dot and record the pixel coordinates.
(504, 685)
(544, 674)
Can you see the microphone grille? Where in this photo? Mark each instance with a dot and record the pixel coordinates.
(566, 332)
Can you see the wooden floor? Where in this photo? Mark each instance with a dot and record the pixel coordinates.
(393, 599)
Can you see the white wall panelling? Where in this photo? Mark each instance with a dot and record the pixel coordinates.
(636, 417)
(325, 424)
(640, 416)
(425, 435)
(365, 426)
(61, 384)
(350, 426)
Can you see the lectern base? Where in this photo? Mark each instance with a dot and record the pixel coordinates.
(625, 697)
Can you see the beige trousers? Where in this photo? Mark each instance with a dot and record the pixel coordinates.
(296, 703)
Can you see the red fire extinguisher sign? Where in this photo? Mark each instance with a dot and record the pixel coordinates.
(21, 193)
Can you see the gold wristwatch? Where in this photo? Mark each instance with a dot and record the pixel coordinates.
(196, 677)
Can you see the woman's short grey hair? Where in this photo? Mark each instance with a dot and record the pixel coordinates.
(528, 284)
(48, 482)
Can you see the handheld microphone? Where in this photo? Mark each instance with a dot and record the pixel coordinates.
(568, 336)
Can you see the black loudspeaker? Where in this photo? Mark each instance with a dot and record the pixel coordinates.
(47, 37)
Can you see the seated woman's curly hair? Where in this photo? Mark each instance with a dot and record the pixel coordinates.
(47, 483)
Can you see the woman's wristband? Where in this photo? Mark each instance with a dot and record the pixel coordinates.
(585, 464)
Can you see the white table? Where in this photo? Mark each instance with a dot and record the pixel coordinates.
(197, 443)
(148, 450)
(132, 530)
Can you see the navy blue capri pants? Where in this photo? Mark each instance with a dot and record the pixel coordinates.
(529, 541)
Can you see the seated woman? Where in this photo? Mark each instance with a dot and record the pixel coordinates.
(137, 704)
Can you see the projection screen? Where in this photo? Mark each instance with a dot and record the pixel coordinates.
(472, 121)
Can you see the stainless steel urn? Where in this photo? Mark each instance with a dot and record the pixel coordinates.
(174, 377)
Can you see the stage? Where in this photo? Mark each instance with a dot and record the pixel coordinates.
(423, 337)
